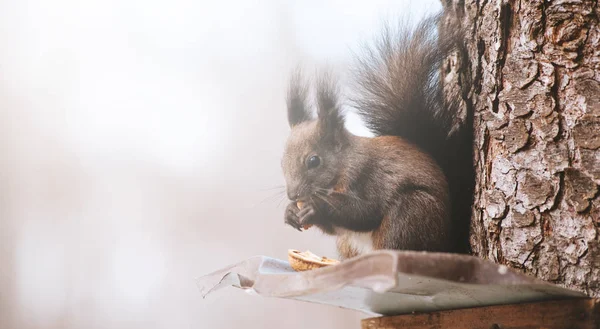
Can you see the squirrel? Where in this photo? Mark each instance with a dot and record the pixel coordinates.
(400, 189)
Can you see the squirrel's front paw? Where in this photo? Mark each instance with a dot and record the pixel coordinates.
(306, 216)
(291, 216)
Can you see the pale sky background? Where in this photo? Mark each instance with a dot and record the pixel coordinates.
(138, 142)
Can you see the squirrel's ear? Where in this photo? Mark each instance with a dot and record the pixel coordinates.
(331, 120)
(296, 100)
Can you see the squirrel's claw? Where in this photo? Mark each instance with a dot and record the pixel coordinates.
(305, 215)
(291, 218)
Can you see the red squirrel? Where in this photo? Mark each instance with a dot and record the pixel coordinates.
(395, 190)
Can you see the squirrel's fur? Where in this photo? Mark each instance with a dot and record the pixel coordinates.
(390, 191)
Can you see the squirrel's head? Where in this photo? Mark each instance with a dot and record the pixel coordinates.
(315, 149)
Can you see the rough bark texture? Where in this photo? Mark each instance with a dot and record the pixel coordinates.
(530, 75)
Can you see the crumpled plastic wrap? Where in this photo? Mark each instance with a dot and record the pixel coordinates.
(389, 283)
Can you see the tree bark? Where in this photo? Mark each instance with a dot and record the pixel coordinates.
(530, 75)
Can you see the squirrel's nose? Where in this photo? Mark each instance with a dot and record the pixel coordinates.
(293, 194)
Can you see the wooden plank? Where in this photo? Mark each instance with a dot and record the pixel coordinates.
(565, 314)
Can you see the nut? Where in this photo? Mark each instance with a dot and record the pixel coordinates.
(305, 261)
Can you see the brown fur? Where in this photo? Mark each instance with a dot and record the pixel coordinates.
(345, 249)
(379, 235)
(392, 188)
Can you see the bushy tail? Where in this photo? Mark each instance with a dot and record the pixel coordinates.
(400, 94)
(399, 90)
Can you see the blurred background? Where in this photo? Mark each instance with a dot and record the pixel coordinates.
(140, 142)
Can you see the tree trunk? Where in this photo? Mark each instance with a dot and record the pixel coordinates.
(530, 75)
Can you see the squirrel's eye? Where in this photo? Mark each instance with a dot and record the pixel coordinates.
(313, 162)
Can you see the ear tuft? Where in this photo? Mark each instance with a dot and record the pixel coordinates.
(297, 108)
(330, 115)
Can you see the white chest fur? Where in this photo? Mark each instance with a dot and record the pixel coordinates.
(361, 242)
